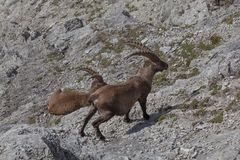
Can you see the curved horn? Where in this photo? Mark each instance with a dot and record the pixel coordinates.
(138, 45)
(98, 77)
(89, 70)
(150, 55)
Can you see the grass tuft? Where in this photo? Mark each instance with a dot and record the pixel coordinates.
(217, 119)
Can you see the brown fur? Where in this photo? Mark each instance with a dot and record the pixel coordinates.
(65, 102)
(118, 99)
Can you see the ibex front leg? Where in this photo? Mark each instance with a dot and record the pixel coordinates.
(142, 103)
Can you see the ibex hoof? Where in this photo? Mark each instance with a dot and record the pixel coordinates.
(127, 120)
(102, 138)
(146, 116)
(82, 134)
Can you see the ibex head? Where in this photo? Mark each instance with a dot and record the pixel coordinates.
(153, 62)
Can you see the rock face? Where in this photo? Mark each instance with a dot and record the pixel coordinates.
(194, 106)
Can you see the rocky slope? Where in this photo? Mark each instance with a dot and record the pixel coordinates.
(194, 106)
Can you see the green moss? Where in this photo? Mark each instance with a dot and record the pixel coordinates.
(167, 116)
(105, 62)
(161, 119)
(159, 78)
(238, 95)
(188, 52)
(131, 32)
(39, 79)
(57, 121)
(230, 105)
(228, 20)
(201, 112)
(55, 56)
(228, 2)
(118, 48)
(32, 120)
(205, 47)
(217, 119)
(57, 70)
(195, 104)
(214, 88)
(194, 72)
(131, 7)
(172, 116)
(55, 2)
(215, 39)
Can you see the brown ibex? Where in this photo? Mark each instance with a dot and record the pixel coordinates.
(65, 102)
(118, 99)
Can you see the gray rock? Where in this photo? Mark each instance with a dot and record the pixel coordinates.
(73, 24)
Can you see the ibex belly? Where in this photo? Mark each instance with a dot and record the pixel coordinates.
(124, 106)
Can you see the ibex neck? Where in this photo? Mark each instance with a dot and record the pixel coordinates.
(146, 76)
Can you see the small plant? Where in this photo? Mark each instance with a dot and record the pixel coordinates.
(238, 95)
(201, 112)
(118, 48)
(32, 120)
(55, 56)
(215, 39)
(161, 118)
(228, 20)
(205, 47)
(57, 121)
(57, 70)
(214, 88)
(169, 116)
(105, 62)
(217, 119)
(194, 72)
(55, 2)
(172, 116)
(194, 104)
(188, 52)
(39, 79)
(230, 105)
(131, 7)
(159, 78)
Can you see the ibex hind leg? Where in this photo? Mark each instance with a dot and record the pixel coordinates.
(126, 117)
(142, 103)
(103, 118)
(88, 117)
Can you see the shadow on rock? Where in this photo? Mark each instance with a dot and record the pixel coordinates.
(153, 117)
(58, 152)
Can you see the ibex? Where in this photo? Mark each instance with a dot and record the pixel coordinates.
(65, 102)
(111, 100)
